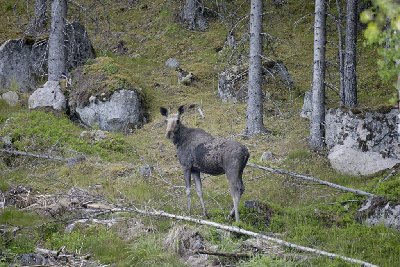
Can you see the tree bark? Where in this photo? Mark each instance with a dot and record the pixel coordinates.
(398, 106)
(350, 78)
(192, 15)
(255, 99)
(318, 85)
(56, 59)
(38, 23)
(339, 24)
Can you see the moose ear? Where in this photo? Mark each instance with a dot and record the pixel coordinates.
(164, 111)
(181, 109)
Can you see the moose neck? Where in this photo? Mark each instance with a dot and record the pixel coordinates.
(179, 135)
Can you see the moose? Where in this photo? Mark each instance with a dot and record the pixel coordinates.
(200, 152)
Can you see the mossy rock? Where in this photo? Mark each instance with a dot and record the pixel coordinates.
(102, 96)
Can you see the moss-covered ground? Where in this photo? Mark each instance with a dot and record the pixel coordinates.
(303, 213)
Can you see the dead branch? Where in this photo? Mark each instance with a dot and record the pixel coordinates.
(225, 254)
(238, 230)
(311, 179)
(27, 154)
(71, 161)
(107, 222)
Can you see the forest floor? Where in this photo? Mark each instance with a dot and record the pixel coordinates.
(48, 200)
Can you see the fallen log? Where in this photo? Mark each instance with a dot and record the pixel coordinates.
(311, 179)
(238, 230)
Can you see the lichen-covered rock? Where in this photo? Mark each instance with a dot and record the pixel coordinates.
(10, 97)
(22, 61)
(50, 95)
(101, 96)
(377, 210)
(15, 65)
(233, 81)
(122, 112)
(365, 131)
(354, 162)
(233, 84)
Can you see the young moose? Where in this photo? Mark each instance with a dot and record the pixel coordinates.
(199, 152)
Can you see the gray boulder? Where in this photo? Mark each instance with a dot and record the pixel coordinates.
(350, 161)
(122, 112)
(15, 65)
(50, 95)
(233, 84)
(370, 131)
(10, 97)
(377, 210)
(23, 61)
(233, 81)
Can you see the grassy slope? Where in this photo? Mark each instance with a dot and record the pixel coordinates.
(303, 213)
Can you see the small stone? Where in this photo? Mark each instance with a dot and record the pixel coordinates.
(172, 63)
(11, 98)
(146, 170)
(7, 140)
(268, 156)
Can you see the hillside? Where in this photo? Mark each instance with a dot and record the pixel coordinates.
(141, 169)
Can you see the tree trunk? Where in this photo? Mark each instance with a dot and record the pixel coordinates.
(255, 99)
(38, 23)
(339, 24)
(192, 15)
(398, 106)
(318, 84)
(56, 60)
(350, 78)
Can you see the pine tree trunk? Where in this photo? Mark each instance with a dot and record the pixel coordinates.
(318, 90)
(340, 50)
(56, 59)
(350, 78)
(398, 106)
(38, 24)
(192, 15)
(255, 99)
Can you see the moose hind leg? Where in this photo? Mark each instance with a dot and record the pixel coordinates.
(199, 191)
(237, 188)
(188, 175)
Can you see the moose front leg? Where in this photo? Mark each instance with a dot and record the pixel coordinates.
(188, 174)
